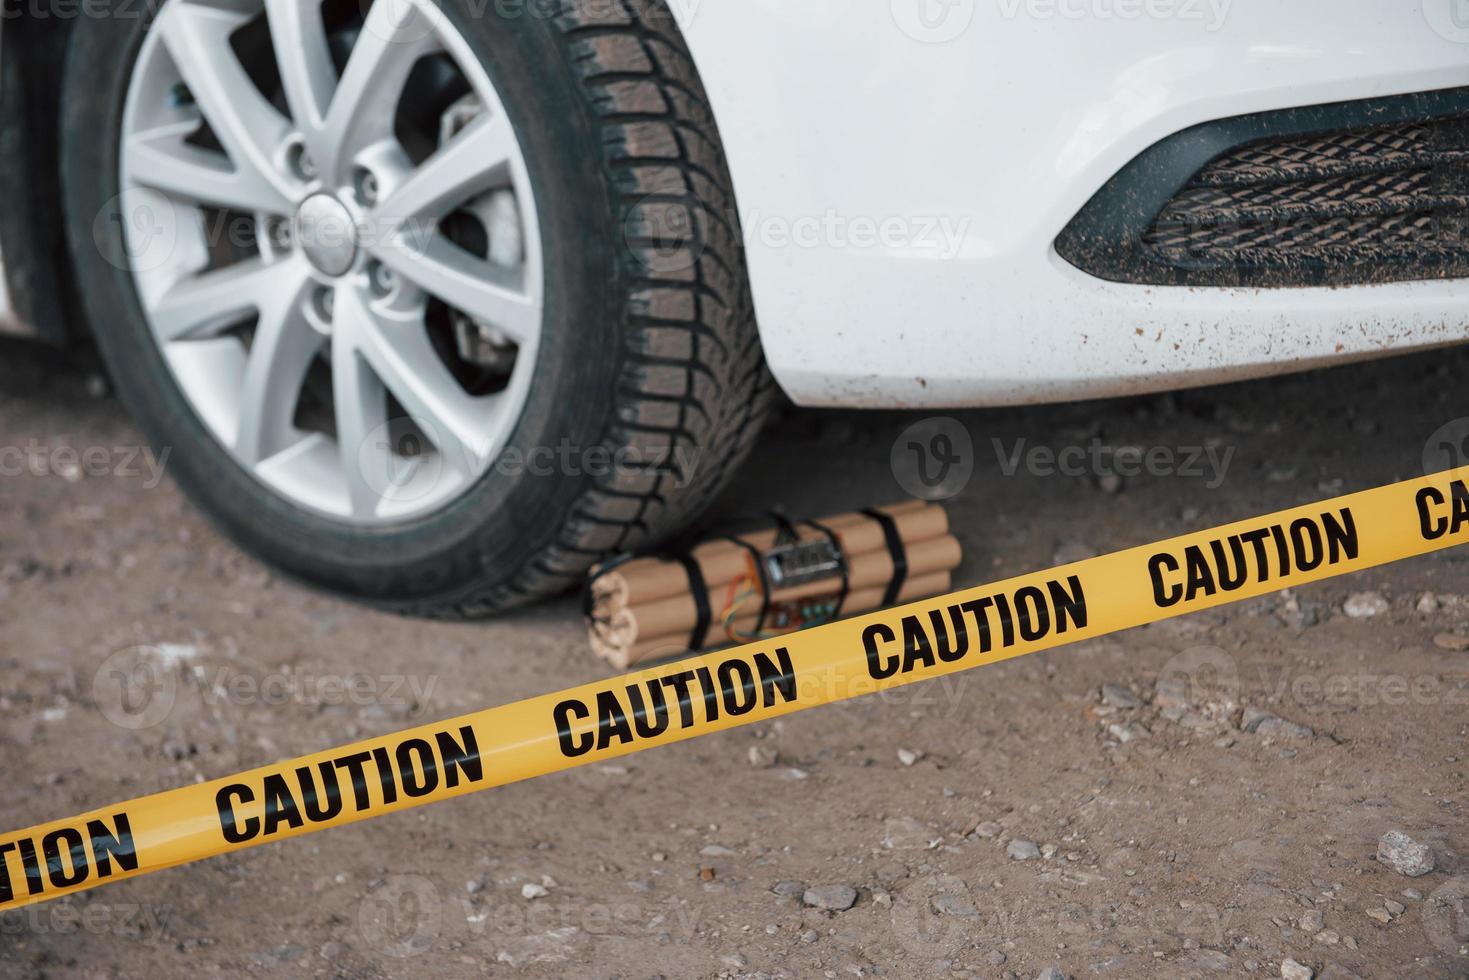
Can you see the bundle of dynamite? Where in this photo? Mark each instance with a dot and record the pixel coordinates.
(753, 586)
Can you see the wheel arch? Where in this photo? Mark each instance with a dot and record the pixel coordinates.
(33, 40)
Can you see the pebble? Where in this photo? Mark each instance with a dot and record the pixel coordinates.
(1428, 603)
(1118, 696)
(1396, 908)
(1404, 855)
(531, 890)
(1328, 937)
(1127, 733)
(997, 958)
(1312, 921)
(1452, 642)
(790, 889)
(1291, 970)
(951, 904)
(907, 756)
(810, 936)
(1264, 723)
(1051, 973)
(1365, 605)
(989, 830)
(762, 757)
(1412, 893)
(1109, 483)
(1379, 915)
(833, 898)
(1023, 850)
(715, 850)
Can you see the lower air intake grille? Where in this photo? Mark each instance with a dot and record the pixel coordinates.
(1364, 204)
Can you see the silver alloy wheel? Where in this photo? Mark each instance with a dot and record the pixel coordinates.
(290, 247)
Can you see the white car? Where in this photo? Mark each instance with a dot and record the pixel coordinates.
(437, 302)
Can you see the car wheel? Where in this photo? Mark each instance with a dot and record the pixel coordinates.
(433, 305)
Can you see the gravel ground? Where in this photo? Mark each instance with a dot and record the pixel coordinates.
(1216, 810)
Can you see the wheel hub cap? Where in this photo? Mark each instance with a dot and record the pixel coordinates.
(327, 234)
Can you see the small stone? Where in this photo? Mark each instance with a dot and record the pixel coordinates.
(1413, 893)
(530, 891)
(1452, 642)
(1428, 604)
(1404, 855)
(997, 958)
(762, 757)
(989, 830)
(1117, 696)
(735, 961)
(1023, 850)
(833, 898)
(1291, 970)
(1048, 851)
(948, 903)
(1109, 483)
(1312, 921)
(706, 874)
(1328, 937)
(1264, 723)
(907, 756)
(1351, 942)
(1051, 973)
(1396, 908)
(1071, 551)
(790, 889)
(1365, 605)
(1379, 915)
(474, 886)
(715, 850)
(1127, 733)
(810, 936)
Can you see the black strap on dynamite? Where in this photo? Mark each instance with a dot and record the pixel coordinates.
(759, 561)
(896, 550)
(700, 591)
(836, 545)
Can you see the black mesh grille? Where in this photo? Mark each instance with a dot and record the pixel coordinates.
(1376, 204)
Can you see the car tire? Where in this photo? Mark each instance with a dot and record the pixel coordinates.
(649, 383)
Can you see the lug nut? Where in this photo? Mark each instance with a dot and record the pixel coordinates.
(383, 279)
(324, 301)
(366, 186)
(302, 164)
(280, 234)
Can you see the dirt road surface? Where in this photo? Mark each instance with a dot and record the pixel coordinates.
(995, 824)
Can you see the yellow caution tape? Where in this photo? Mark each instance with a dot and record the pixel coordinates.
(737, 687)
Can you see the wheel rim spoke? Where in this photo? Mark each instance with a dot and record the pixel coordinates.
(199, 306)
(489, 293)
(361, 412)
(251, 131)
(159, 159)
(307, 74)
(405, 362)
(473, 161)
(396, 34)
(280, 354)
